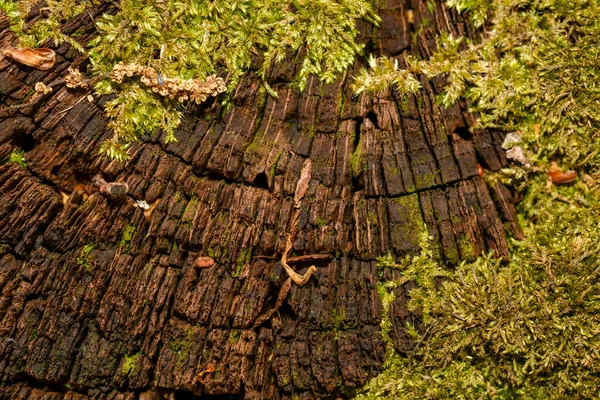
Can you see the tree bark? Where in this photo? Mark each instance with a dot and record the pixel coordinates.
(135, 318)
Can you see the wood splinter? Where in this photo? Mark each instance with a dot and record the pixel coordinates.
(296, 277)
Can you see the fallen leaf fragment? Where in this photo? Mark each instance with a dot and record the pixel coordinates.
(557, 176)
(480, 170)
(142, 204)
(513, 150)
(204, 262)
(42, 59)
(65, 198)
(210, 368)
(303, 182)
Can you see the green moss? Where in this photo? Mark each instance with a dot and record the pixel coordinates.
(273, 168)
(467, 248)
(372, 218)
(85, 259)
(126, 237)
(522, 329)
(190, 209)
(198, 40)
(234, 337)
(129, 364)
(29, 93)
(18, 157)
(182, 345)
(357, 162)
(535, 72)
(243, 259)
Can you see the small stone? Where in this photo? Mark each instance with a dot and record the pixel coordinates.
(114, 190)
(204, 262)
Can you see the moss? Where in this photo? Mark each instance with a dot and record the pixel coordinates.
(357, 162)
(467, 248)
(29, 93)
(220, 37)
(126, 237)
(181, 345)
(243, 259)
(522, 329)
(320, 222)
(84, 258)
(129, 364)
(340, 321)
(234, 337)
(190, 210)
(17, 157)
(372, 218)
(32, 335)
(273, 168)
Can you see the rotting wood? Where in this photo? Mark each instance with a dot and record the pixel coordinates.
(234, 186)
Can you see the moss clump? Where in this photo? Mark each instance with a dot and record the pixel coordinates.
(17, 157)
(242, 260)
(47, 28)
(197, 39)
(358, 164)
(129, 364)
(126, 237)
(528, 329)
(535, 72)
(85, 259)
(181, 345)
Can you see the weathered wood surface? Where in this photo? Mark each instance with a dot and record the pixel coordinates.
(137, 315)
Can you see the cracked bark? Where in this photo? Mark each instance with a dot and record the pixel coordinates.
(136, 319)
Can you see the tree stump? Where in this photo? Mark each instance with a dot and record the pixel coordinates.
(100, 299)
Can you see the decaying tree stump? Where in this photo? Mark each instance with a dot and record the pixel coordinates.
(102, 298)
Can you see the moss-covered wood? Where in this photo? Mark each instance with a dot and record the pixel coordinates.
(226, 191)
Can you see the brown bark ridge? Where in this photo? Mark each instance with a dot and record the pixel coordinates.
(101, 299)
